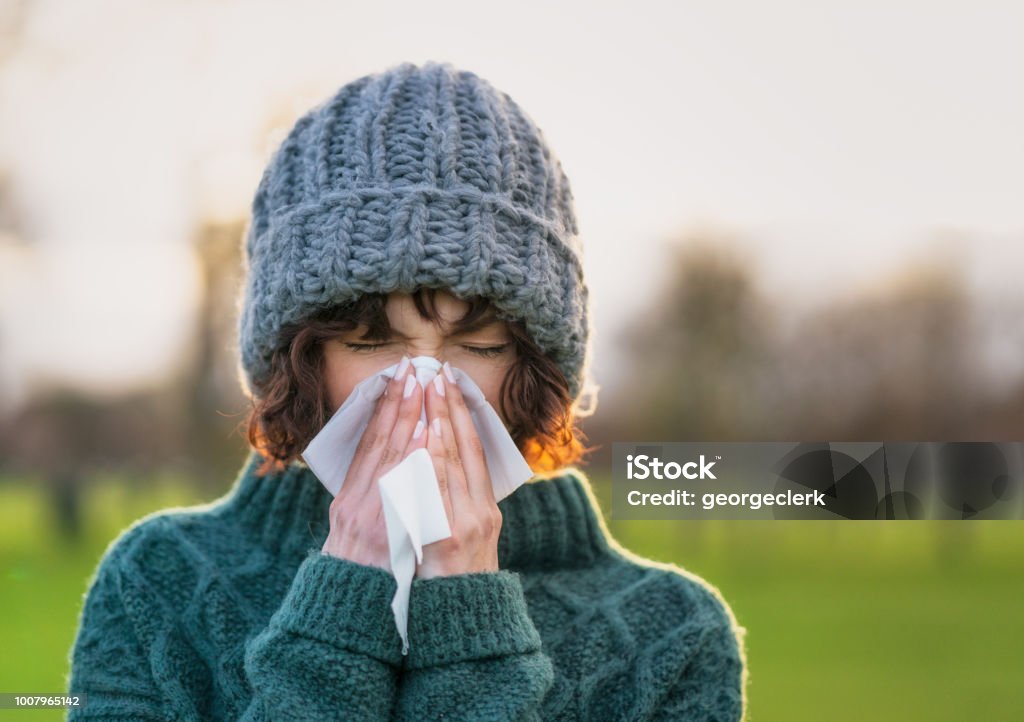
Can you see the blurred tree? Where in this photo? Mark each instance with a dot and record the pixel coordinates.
(897, 363)
(711, 360)
(213, 401)
(65, 438)
(187, 424)
(695, 358)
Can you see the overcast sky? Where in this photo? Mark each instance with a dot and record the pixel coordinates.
(836, 138)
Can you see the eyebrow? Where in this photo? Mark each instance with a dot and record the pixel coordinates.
(478, 325)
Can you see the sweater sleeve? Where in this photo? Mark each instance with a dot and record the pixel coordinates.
(331, 651)
(474, 652)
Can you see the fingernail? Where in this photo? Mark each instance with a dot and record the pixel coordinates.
(402, 367)
(448, 372)
(436, 426)
(410, 381)
(418, 431)
(439, 385)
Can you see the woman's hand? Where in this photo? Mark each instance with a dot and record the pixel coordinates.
(357, 518)
(465, 485)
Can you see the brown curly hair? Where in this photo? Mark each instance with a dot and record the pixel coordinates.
(292, 406)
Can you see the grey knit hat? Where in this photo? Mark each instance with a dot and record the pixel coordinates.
(416, 176)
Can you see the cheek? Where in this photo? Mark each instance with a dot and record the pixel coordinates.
(339, 386)
(489, 377)
(341, 375)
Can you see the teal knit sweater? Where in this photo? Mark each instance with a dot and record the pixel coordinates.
(230, 611)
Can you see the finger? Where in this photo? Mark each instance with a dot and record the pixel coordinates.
(435, 447)
(419, 437)
(408, 416)
(471, 449)
(440, 426)
(376, 435)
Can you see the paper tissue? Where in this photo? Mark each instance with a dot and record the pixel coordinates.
(413, 508)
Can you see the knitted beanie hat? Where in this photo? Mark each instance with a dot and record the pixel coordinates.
(416, 176)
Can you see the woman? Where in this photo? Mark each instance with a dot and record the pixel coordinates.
(417, 212)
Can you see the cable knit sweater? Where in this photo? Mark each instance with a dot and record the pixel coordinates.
(231, 611)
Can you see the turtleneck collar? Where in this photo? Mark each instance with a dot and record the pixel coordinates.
(547, 523)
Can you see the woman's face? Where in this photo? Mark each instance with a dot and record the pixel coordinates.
(348, 359)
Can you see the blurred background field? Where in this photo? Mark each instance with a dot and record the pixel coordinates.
(801, 222)
(847, 621)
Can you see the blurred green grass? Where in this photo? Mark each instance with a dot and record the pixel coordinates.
(845, 620)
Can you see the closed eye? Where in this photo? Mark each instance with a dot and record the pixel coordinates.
(365, 346)
(485, 351)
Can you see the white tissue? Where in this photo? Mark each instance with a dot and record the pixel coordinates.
(413, 508)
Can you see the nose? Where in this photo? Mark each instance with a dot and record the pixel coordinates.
(434, 351)
(426, 368)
